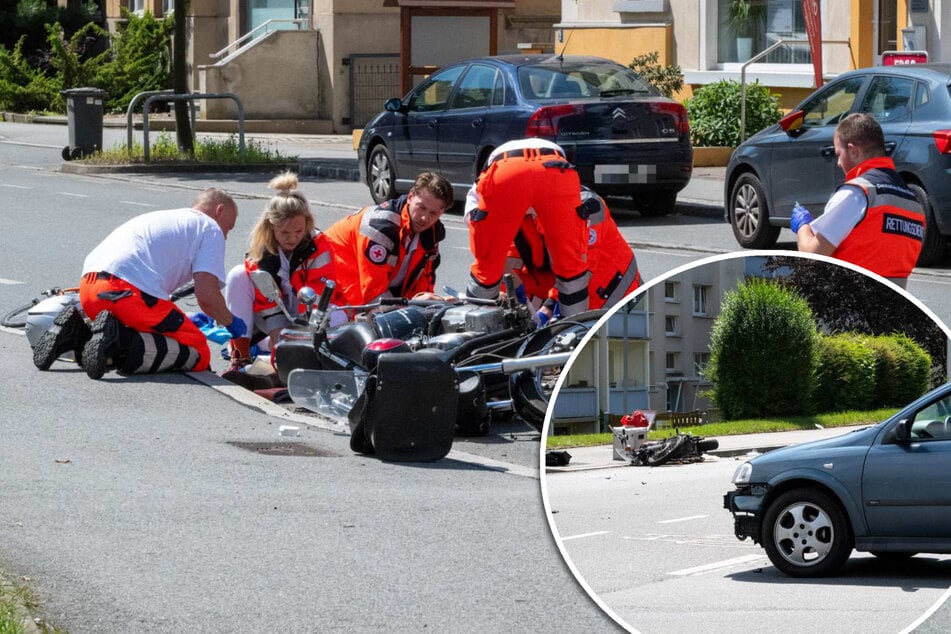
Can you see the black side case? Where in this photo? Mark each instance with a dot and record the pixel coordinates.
(410, 415)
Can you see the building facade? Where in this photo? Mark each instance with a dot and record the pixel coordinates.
(651, 352)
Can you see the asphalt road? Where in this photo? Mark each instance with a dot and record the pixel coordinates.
(129, 506)
(656, 548)
(132, 506)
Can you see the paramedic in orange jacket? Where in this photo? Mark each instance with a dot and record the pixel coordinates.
(529, 177)
(874, 220)
(392, 249)
(614, 272)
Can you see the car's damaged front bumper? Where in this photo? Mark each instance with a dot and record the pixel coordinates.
(746, 504)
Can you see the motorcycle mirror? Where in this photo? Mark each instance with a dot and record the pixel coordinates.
(307, 296)
(263, 281)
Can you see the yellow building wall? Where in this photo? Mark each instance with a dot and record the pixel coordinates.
(621, 44)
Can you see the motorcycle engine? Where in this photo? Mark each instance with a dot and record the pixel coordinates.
(468, 318)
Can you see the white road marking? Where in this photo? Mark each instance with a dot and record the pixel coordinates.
(726, 563)
(6, 281)
(595, 534)
(924, 617)
(16, 186)
(132, 202)
(73, 195)
(683, 519)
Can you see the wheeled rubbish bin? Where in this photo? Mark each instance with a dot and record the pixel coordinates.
(84, 110)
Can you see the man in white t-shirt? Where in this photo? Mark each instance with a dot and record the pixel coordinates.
(126, 289)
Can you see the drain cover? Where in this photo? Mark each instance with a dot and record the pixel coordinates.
(284, 449)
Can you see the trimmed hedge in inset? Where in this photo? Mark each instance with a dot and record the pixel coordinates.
(845, 378)
(865, 372)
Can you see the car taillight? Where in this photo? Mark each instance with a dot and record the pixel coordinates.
(677, 112)
(544, 121)
(942, 139)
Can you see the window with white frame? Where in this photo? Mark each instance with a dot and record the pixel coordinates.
(700, 294)
(137, 6)
(168, 7)
(670, 325)
(671, 291)
(748, 27)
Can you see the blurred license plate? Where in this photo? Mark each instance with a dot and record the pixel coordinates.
(624, 174)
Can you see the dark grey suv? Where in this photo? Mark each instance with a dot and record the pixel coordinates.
(794, 160)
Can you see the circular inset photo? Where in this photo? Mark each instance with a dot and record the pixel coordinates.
(757, 441)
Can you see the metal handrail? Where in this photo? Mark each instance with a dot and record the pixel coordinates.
(249, 35)
(131, 109)
(756, 58)
(190, 97)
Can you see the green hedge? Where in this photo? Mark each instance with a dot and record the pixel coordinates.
(845, 378)
(864, 372)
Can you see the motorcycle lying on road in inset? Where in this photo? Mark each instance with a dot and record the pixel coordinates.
(682, 448)
(408, 375)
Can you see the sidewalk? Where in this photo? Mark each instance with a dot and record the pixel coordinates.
(601, 456)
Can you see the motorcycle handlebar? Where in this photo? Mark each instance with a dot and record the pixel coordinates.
(325, 296)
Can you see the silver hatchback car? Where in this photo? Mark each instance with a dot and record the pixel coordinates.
(884, 489)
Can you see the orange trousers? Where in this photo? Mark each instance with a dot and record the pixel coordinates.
(507, 189)
(142, 313)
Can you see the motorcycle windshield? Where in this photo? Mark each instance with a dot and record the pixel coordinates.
(330, 393)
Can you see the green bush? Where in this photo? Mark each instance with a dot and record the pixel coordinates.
(666, 79)
(140, 60)
(24, 87)
(714, 112)
(845, 378)
(762, 353)
(912, 371)
(137, 60)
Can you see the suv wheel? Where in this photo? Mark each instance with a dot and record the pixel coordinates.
(381, 177)
(655, 204)
(749, 215)
(806, 534)
(932, 247)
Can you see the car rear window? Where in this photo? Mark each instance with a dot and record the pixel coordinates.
(581, 81)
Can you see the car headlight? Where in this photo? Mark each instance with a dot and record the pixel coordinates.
(743, 473)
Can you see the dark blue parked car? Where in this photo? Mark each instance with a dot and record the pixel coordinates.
(620, 133)
(885, 489)
(794, 160)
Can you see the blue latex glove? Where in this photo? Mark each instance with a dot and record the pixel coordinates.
(541, 318)
(800, 217)
(201, 320)
(237, 327)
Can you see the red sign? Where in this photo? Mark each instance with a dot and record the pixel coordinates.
(810, 14)
(899, 58)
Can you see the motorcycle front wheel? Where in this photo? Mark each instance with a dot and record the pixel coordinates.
(531, 390)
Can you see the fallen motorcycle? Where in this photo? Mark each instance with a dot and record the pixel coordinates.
(407, 376)
(681, 448)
